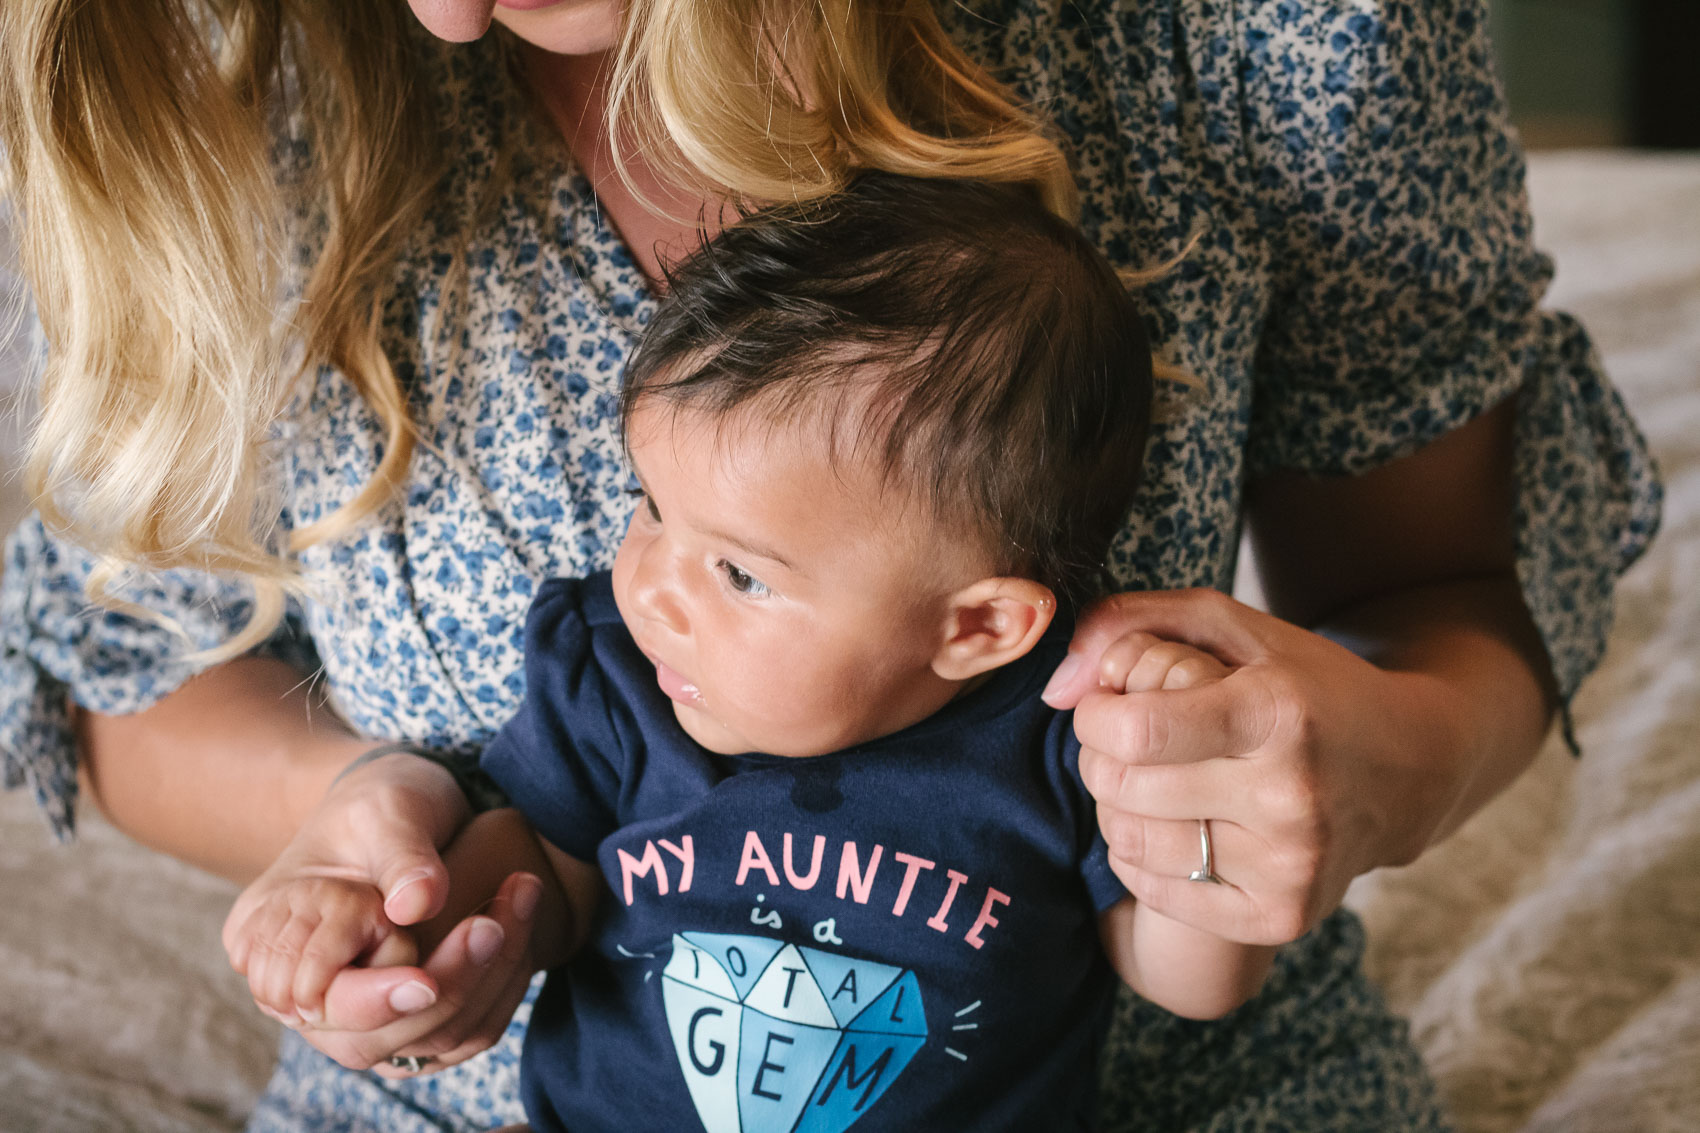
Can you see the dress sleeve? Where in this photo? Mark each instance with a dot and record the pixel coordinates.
(560, 757)
(1406, 289)
(57, 647)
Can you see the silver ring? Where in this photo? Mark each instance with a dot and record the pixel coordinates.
(412, 1063)
(1208, 871)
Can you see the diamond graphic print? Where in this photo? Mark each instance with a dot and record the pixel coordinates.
(773, 1038)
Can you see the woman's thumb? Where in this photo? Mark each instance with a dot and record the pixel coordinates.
(1077, 675)
(415, 885)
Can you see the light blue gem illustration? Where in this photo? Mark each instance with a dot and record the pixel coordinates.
(773, 1038)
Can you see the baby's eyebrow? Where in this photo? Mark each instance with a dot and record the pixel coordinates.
(755, 549)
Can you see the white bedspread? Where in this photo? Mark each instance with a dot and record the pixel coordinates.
(1548, 955)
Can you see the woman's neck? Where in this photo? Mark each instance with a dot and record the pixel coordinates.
(657, 218)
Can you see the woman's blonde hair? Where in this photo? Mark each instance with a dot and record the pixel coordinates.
(140, 141)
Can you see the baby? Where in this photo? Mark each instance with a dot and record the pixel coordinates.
(830, 854)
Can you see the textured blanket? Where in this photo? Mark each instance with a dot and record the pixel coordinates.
(1548, 955)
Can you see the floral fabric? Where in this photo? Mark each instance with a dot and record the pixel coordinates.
(1362, 281)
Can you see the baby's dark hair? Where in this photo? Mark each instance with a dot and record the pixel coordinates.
(973, 344)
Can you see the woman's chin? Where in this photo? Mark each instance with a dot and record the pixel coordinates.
(564, 27)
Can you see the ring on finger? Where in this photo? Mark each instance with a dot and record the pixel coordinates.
(1206, 872)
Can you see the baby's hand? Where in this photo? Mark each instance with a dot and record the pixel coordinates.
(1140, 662)
(296, 933)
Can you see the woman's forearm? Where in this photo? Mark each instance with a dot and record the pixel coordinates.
(1473, 644)
(221, 772)
(1413, 567)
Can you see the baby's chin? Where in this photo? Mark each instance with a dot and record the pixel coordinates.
(710, 733)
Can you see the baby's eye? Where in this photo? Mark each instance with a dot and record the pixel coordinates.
(742, 581)
(648, 503)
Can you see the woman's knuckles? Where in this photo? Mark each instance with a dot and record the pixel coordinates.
(1112, 782)
(1124, 834)
(1127, 726)
(1286, 801)
(1282, 923)
(351, 1057)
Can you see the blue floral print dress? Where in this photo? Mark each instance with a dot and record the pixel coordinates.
(1363, 281)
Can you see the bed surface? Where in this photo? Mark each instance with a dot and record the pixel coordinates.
(1548, 955)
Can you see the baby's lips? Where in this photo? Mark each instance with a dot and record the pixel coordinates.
(675, 685)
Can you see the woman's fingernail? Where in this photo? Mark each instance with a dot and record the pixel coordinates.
(312, 1016)
(1060, 679)
(484, 940)
(527, 892)
(413, 878)
(410, 997)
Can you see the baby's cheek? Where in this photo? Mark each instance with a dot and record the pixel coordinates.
(796, 714)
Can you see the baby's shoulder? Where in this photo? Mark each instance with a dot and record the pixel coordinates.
(574, 633)
(587, 602)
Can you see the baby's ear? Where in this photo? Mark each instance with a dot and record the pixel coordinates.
(992, 622)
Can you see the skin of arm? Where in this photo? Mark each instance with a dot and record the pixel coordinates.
(221, 772)
(1412, 566)
(1184, 970)
(1399, 685)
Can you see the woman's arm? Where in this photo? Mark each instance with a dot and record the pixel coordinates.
(1322, 757)
(1412, 566)
(220, 772)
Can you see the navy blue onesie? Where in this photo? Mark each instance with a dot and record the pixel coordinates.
(900, 936)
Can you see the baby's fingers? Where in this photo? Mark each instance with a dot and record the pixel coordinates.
(292, 945)
(1143, 662)
(274, 938)
(1191, 668)
(1120, 657)
(335, 945)
(239, 940)
(1165, 665)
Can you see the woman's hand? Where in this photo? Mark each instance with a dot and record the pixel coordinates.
(382, 824)
(477, 976)
(1313, 764)
(490, 948)
(373, 844)
(365, 861)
